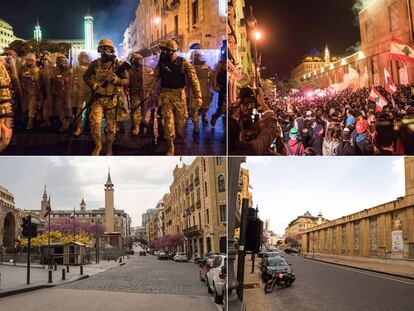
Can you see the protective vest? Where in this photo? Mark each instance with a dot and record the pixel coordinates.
(102, 72)
(172, 74)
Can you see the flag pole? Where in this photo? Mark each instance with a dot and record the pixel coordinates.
(48, 239)
(74, 225)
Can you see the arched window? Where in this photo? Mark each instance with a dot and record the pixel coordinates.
(221, 183)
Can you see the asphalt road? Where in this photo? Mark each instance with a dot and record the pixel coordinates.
(143, 283)
(328, 287)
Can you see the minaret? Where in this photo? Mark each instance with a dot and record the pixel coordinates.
(89, 43)
(109, 204)
(83, 205)
(320, 219)
(43, 203)
(37, 32)
(327, 56)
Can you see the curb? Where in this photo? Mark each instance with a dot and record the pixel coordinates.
(21, 266)
(364, 269)
(36, 287)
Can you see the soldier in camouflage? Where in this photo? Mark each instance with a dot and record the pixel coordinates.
(61, 87)
(107, 86)
(6, 112)
(205, 76)
(81, 92)
(136, 91)
(46, 70)
(171, 73)
(29, 78)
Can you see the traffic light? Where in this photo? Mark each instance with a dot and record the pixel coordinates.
(28, 228)
(254, 232)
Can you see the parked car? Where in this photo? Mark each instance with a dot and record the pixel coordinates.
(265, 258)
(162, 256)
(205, 266)
(291, 250)
(198, 259)
(156, 253)
(172, 255)
(216, 278)
(262, 253)
(180, 256)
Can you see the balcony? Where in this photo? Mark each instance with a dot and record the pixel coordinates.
(192, 230)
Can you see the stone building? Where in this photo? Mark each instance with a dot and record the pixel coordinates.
(147, 215)
(196, 206)
(10, 219)
(192, 23)
(139, 233)
(379, 22)
(303, 223)
(383, 231)
(6, 35)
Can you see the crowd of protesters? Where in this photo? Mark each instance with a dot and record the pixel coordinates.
(325, 122)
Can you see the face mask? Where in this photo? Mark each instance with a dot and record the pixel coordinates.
(30, 64)
(107, 56)
(166, 55)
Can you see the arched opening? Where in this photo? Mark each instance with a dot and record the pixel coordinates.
(195, 46)
(201, 247)
(208, 245)
(9, 232)
(223, 245)
(221, 183)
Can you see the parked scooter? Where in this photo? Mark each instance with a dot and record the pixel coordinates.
(280, 279)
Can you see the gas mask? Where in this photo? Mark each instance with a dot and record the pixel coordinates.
(62, 63)
(166, 55)
(30, 63)
(136, 62)
(107, 54)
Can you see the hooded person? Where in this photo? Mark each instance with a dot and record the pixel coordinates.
(317, 139)
(363, 144)
(294, 147)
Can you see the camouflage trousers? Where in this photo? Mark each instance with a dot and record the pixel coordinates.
(103, 107)
(6, 123)
(195, 112)
(172, 103)
(137, 109)
(78, 104)
(31, 102)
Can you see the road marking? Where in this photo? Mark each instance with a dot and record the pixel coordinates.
(364, 272)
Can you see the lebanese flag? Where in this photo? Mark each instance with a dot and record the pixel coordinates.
(401, 51)
(378, 99)
(389, 84)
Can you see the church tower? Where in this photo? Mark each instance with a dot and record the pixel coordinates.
(43, 203)
(320, 219)
(89, 43)
(83, 205)
(37, 32)
(327, 56)
(109, 205)
(409, 175)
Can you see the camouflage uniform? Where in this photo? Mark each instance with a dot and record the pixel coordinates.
(172, 76)
(29, 77)
(205, 77)
(61, 86)
(12, 66)
(108, 93)
(46, 71)
(6, 112)
(221, 82)
(81, 91)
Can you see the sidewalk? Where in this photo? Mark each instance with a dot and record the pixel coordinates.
(13, 278)
(395, 267)
(253, 294)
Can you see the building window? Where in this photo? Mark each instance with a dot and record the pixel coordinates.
(220, 160)
(208, 216)
(369, 30)
(394, 17)
(194, 10)
(204, 164)
(199, 219)
(223, 211)
(176, 25)
(205, 189)
(221, 183)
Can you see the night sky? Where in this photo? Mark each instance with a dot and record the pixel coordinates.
(64, 19)
(293, 28)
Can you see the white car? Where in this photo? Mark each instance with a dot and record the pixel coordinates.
(216, 278)
(180, 256)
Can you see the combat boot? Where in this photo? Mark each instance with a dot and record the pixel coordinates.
(97, 150)
(29, 124)
(77, 132)
(135, 131)
(171, 148)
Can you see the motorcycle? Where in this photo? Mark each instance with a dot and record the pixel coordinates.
(280, 279)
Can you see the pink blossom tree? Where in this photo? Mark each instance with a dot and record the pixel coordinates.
(65, 225)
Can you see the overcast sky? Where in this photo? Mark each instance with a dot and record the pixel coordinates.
(140, 182)
(286, 187)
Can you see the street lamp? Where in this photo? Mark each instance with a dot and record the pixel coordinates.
(257, 35)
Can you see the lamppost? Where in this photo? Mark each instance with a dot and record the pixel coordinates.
(252, 23)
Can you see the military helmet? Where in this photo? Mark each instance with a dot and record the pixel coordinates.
(83, 55)
(106, 42)
(136, 55)
(30, 56)
(45, 53)
(170, 45)
(10, 52)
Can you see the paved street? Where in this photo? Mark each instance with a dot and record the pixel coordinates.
(142, 281)
(210, 141)
(326, 287)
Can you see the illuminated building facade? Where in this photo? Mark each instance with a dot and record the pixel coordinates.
(379, 22)
(37, 32)
(6, 35)
(89, 42)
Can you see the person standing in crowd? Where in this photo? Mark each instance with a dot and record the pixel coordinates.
(345, 147)
(46, 104)
(6, 111)
(171, 73)
(294, 147)
(363, 142)
(81, 92)
(205, 77)
(107, 86)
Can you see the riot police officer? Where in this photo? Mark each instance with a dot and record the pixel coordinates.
(6, 113)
